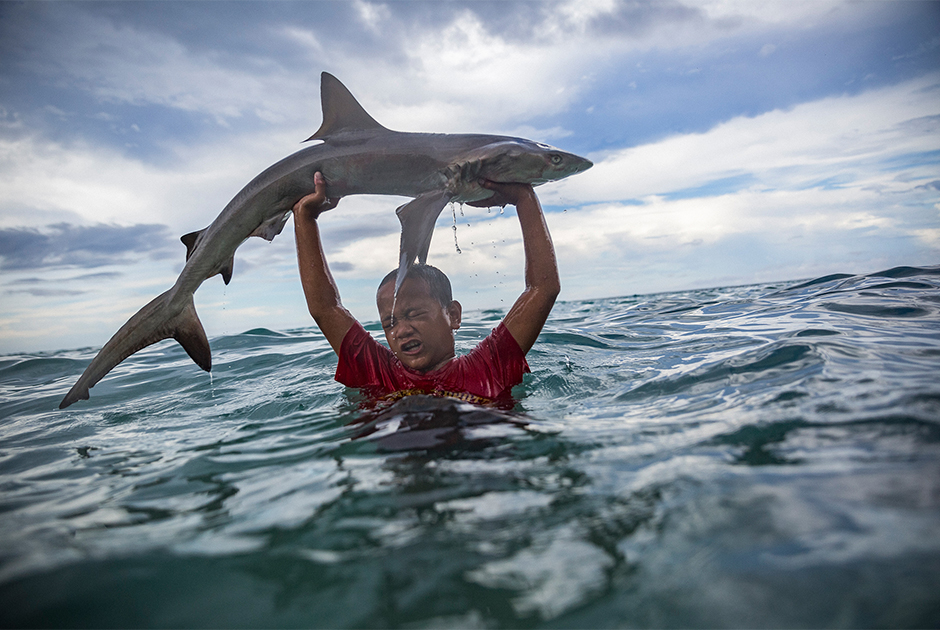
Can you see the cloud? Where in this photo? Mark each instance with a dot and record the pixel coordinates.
(518, 59)
(47, 292)
(67, 245)
(875, 138)
(115, 60)
(715, 163)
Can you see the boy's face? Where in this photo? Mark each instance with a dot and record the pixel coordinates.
(421, 331)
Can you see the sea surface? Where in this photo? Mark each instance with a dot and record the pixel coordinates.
(756, 456)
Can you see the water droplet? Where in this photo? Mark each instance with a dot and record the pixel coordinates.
(454, 212)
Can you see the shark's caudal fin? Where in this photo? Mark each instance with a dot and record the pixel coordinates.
(341, 110)
(418, 217)
(149, 325)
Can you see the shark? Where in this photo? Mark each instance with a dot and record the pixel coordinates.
(356, 155)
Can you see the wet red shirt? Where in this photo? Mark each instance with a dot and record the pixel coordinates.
(486, 373)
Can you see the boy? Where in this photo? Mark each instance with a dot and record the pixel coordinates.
(420, 332)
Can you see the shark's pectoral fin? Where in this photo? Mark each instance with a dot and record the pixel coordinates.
(189, 240)
(272, 227)
(418, 217)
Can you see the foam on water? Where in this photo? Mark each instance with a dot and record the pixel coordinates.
(749, 456)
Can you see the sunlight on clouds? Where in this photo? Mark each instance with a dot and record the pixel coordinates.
(371, 257)
(814, 227)
(107, 299)
(95, 183)
(603, 230)
(305, 37)
(372, 14)
(580, 14)
(930, 236)
(800, 12)
(466, 59)
(853, 137)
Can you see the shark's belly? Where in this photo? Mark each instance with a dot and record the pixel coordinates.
(405, 175)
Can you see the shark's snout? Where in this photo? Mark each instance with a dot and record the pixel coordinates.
(584, 165)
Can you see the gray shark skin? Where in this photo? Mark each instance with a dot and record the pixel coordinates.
(356, 155)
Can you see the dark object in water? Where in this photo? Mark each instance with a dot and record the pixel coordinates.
(426, 422)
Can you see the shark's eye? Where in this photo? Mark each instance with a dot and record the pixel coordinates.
(556, 159)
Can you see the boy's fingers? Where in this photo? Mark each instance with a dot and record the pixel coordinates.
(490, 202)
(317, 201)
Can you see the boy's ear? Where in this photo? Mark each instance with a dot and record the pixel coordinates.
(454, 311)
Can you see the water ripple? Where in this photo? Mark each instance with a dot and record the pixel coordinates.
(765, 455)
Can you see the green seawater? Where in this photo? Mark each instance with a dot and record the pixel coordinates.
(759, 456)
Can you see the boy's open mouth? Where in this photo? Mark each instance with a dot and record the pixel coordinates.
(409, 346)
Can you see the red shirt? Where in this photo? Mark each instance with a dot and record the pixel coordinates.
(487, 373)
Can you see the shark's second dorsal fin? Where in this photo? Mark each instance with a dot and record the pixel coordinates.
(341, 110)
(189, 240)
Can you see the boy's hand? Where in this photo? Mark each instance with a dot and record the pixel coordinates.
(506, 194)
(316, 203)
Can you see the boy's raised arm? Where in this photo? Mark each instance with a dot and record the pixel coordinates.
(542, 284)
(320, 290)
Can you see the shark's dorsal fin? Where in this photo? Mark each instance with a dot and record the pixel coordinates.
(341, 110)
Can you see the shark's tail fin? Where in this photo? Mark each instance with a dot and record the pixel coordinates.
(149, 325)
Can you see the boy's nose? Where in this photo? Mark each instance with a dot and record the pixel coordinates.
(399, 326)
(405, 326)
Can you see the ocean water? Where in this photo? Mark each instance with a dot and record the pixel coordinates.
(759, 456)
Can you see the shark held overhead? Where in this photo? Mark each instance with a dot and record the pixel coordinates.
(357, 155)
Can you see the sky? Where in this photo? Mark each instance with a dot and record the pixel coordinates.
(734, 142)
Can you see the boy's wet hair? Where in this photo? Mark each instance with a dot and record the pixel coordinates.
(438, 283)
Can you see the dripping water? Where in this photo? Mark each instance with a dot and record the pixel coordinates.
(454, 212)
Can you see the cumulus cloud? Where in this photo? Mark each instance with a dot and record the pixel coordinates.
(474, 64)
(733, 141)
(860, 140)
